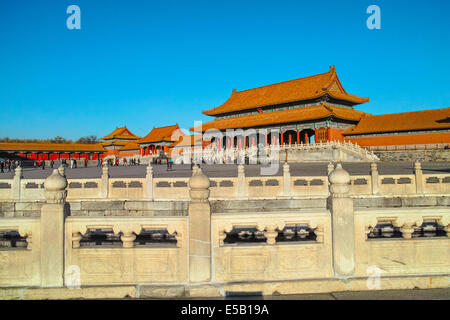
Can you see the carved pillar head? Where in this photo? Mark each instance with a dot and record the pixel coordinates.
(18, 172)
(199, 187)
(286, 168)
(339, 182)
(241, 170)
(105, 169)
(149, 171)
(417, 166)
(55, 188)
(373, 167)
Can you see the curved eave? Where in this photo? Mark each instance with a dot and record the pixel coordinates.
(344, 97)
(280, 117)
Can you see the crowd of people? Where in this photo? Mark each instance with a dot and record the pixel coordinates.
(8, 165)
(124, 162)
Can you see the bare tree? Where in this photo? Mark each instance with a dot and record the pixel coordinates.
(88, 140)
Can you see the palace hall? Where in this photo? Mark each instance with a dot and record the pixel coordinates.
(318, 109)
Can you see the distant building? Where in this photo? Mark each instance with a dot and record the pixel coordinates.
(305, 110)
(159, 139)
(117, 139)
(318, 109)
(419, 128)
(52, 151)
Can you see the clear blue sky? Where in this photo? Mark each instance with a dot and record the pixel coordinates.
(153, 63)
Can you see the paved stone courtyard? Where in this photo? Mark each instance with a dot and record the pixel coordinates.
(411, 294)
(224, 170)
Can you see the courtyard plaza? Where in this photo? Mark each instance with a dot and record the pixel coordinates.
(408, 294)
(230, 170)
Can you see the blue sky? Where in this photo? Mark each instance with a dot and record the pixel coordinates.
(153, 63)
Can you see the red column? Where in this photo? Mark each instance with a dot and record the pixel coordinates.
(306, 138)
(240, 142)
(315, 135)
(245, 142)
(253, 141)
(290, 138)
(298, 136)
(329, 134)
(282, 138)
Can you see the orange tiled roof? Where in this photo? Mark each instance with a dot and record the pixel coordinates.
(283, 116)
(402, 139)
(311, 87)
(405, 121)
(52, 147)
(121, 133)
(132, 145)
(160, 134)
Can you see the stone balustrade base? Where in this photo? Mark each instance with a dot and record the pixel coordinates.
(220, 290)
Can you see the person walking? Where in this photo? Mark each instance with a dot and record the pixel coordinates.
(75, 163)
(2, 165)
(99, 162)
(85, 163)
(52, 163)
(43, 164)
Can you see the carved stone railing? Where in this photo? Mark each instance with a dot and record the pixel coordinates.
(406, 253)
(127, 263)
(259, 154)
(126, 188)
(271, 259)
(259, 187)
(20, 266)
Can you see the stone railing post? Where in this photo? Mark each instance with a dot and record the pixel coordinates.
(199, 228)
(104, 187)
(342, 221)
(149, 183)
(52, 231)
(419, 177)
(241, 188)
(16, 187)
(374, 174)
(286, 180)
